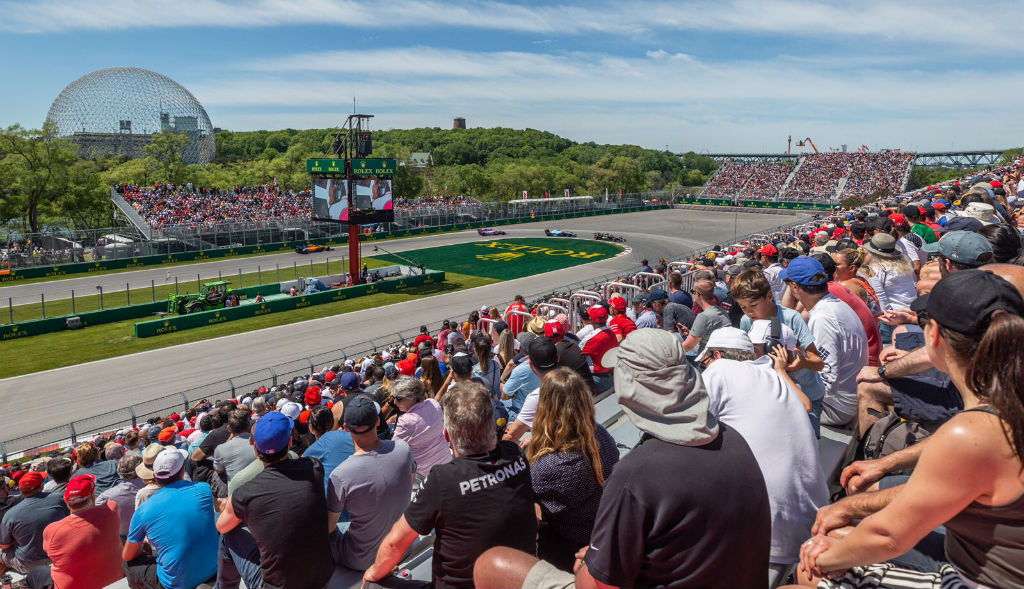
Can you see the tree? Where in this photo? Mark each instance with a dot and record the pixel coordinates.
(34, 167)
(406, 184)
(168, 149)
(86, 199)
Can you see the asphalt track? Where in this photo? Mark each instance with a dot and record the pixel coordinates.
(38, 401)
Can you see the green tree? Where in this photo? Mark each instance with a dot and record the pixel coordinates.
(168, 149)
(34, 168)
(406, 184)
(85, 201)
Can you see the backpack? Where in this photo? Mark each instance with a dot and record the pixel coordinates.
(890, 434)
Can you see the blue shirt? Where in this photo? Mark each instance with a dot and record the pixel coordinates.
(180, 524)
(809, 380)
(331, 450)
(520, 382)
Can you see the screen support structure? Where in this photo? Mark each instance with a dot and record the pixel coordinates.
(353, 141)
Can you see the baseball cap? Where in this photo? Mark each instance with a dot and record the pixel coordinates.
(961, 223)
(805, 271)
(350, 381)
(768, 250)
(169, 463)
(166, 435)
(553, 329)
(30, 481)
(79, 489)
(618, 303)
(938, 206)
(291, 409)
(962, 247)
(543, 354)
(761, 330)
(911, 211)
(655, 296)
(597, 314)
(728, 338)
(272, 433)
(362, 411)
(313, 396)
(964, 301)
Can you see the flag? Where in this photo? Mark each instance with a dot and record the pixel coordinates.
(524, 195)
(566, 193)
(546, 194)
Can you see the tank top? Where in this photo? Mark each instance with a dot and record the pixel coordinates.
(986, 542)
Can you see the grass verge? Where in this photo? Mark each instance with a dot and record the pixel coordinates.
(67, 348)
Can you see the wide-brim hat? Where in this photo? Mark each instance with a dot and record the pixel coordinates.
(883, 245)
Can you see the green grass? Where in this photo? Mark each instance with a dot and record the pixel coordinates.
(67, 348)
(120, 298)
(505, 259)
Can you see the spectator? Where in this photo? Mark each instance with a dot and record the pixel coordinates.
(912, 213)
(754, 397)
(521, 380)
(145, 473)
(266, 540)
(596, 345)
(122, 495)
(374, 485)
(21, 531)
(179, 524)
(1007, 243)
(333, 444)
(890, 275)
(483, 498)
(516, 322)
(653, 307)
(87, 456)
(838, 335)
(420, 424)
(713, 531)
(707, 321)
(570, 457)
(487, 369)
(848, 262)
(59, 471)
(753, 294)
(569, 353)
(84, 546)
(966, 468)
(858, 306)
(7, 500)
(620, 324)
(235, 454)
(961, 250)
(769, 257)
(543, 359)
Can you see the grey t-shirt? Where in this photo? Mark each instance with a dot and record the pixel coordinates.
(376, 488)
(24, 523)
(675, 313)
(706, 322)
(234, 455)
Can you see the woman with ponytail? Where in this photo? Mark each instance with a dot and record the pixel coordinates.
(969, 477)
(570, 457)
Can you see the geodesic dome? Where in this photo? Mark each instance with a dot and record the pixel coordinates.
(117, 111)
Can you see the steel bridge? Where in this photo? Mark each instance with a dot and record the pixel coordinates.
(939, 159)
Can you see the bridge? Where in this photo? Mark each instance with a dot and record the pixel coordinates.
(942, 159)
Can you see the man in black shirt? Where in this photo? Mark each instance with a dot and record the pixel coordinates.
(284, 513)
(569, 353)
(711, 527)
(203, 455)
(483, 498)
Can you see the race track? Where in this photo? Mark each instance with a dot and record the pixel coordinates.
(34, 402)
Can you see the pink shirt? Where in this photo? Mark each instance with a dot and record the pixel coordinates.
(423, 429)
(859, 307)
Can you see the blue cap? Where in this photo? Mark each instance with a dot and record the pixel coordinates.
(272, 432)
(805, 271)
(361, 411)
(350, 381)
(962, 247)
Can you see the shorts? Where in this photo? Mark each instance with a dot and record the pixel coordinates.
(10, 561)
(890, 576)
(545, 575)
(832, 416)
(929, 398)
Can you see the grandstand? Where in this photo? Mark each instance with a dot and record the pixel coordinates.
(819, 177)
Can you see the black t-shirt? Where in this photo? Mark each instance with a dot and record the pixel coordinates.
(733, 310)
(683, 516)
(285, 510)
(474, 503)
(213, 439)
(571, 356)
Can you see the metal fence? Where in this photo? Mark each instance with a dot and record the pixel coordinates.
(243, 384)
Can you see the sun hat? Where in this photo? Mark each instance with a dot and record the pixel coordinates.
(883, 245)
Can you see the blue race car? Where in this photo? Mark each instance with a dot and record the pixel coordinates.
(490, 231)
(558, 233)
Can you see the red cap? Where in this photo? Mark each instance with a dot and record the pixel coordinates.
(313, 396)
(996, 184)
(79, 489)
(839, 231)
(174, 417)
(167, 435)
(406, 367)
(923, 210)
(553, 329)
(597, 314)
(617, 303)
(30, 481)
(938, 206)
(329, 376)
(768, 250)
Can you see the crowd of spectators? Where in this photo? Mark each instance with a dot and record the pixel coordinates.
(187, 206)
(729, 180)
(438, 204)
(484, 434)
(766, 181)
(877, 171)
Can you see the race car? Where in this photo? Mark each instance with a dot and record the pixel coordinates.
(490, 231)
(558, 233)
(609, 237)
(309, 248)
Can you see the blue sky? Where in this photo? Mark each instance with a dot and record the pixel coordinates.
(730, 75)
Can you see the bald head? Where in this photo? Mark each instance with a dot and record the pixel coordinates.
(1009, 272)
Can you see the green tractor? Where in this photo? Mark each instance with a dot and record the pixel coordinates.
(211, 296)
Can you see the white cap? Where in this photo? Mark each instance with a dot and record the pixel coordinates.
(292, 410)
(727, 338)
(485, 309)
(280, 403)
(762, 328)
(168, 463)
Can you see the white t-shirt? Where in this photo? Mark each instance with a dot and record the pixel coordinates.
(752, 399)
(911, 249)
(843, 345)
(894, 291)
(778, 286)
(529, 411)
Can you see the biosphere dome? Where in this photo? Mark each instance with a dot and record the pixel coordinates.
(117, 111)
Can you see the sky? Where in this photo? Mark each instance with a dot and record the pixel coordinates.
(703, 75)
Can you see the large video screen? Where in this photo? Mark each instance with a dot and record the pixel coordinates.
(372, 200)
(330, 199)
